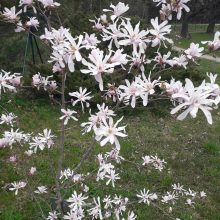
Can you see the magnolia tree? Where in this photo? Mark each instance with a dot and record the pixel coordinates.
(127, 52)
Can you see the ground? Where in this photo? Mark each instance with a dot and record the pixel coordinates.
(191, 149)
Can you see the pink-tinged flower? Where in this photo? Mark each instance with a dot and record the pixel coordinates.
(53, 215)
(76, 201)
(159, 31)
(159, 2)
(16, 79)
(13, 159)
(131, 216)
(96, 211)
(162, 60)
(147, 87)
(82, 96)
(8, 119)
(181, 61)
(169, 198)
(112, 33)
(117, 10)
(33, 22)
(5, 78)
(193, 100)
(15, 186)
(10, 15)
(67, 115)
(41, 190)
(27, 4)
(119, 57)
(90, 40)
(32, 171)
(130, 91)
(146, 196)
(112, 92)
(97, 24)
(108, 132)
(49, 3)
(29, 152)
(73, 51)
(4, 142)
(19, 27)
(98, 65)
(166, 12)
(178, 6)
(135, 37)
(194, 51)
(173, 87)
(215, 44)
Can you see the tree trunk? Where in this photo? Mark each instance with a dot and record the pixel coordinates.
(185, 24)
(211, 28)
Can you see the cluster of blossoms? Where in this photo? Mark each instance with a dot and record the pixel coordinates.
(168, 7)
(106, 208)
(10, 15)
(204, 97)
(39, 81)
(171, 197)
(104, 127)
(154, 161)
(42, 141)
(9, 81)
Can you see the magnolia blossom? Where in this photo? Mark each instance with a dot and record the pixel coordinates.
(82, 96)
(96, 211)
(112, 33)
(147, 87)
(146, 197)
(10, 15)
(215, 44)
(112, 92)
(118, 10)
(90, 40)
(195, 98)
(73, 51)
(178, 6)
(5, 78)
(27, 4)
(159, 31)
(15, 186)
(32, 171)
(98, 66)
(41, 190)
(173, 87)
(97, 24)
(8, 119)
(166, 12)
(108, 132)
(131, 91)
(67, 115)
(49, 3)
(135, 37)
(76, 201)
(194, 51)
(162, 60)
(169, 197)
(33, 22)
(53, 215)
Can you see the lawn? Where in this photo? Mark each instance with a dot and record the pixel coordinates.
(191, 149)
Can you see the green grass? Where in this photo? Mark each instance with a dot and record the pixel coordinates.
(196, 38)
(193, 28)
(191, 149)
